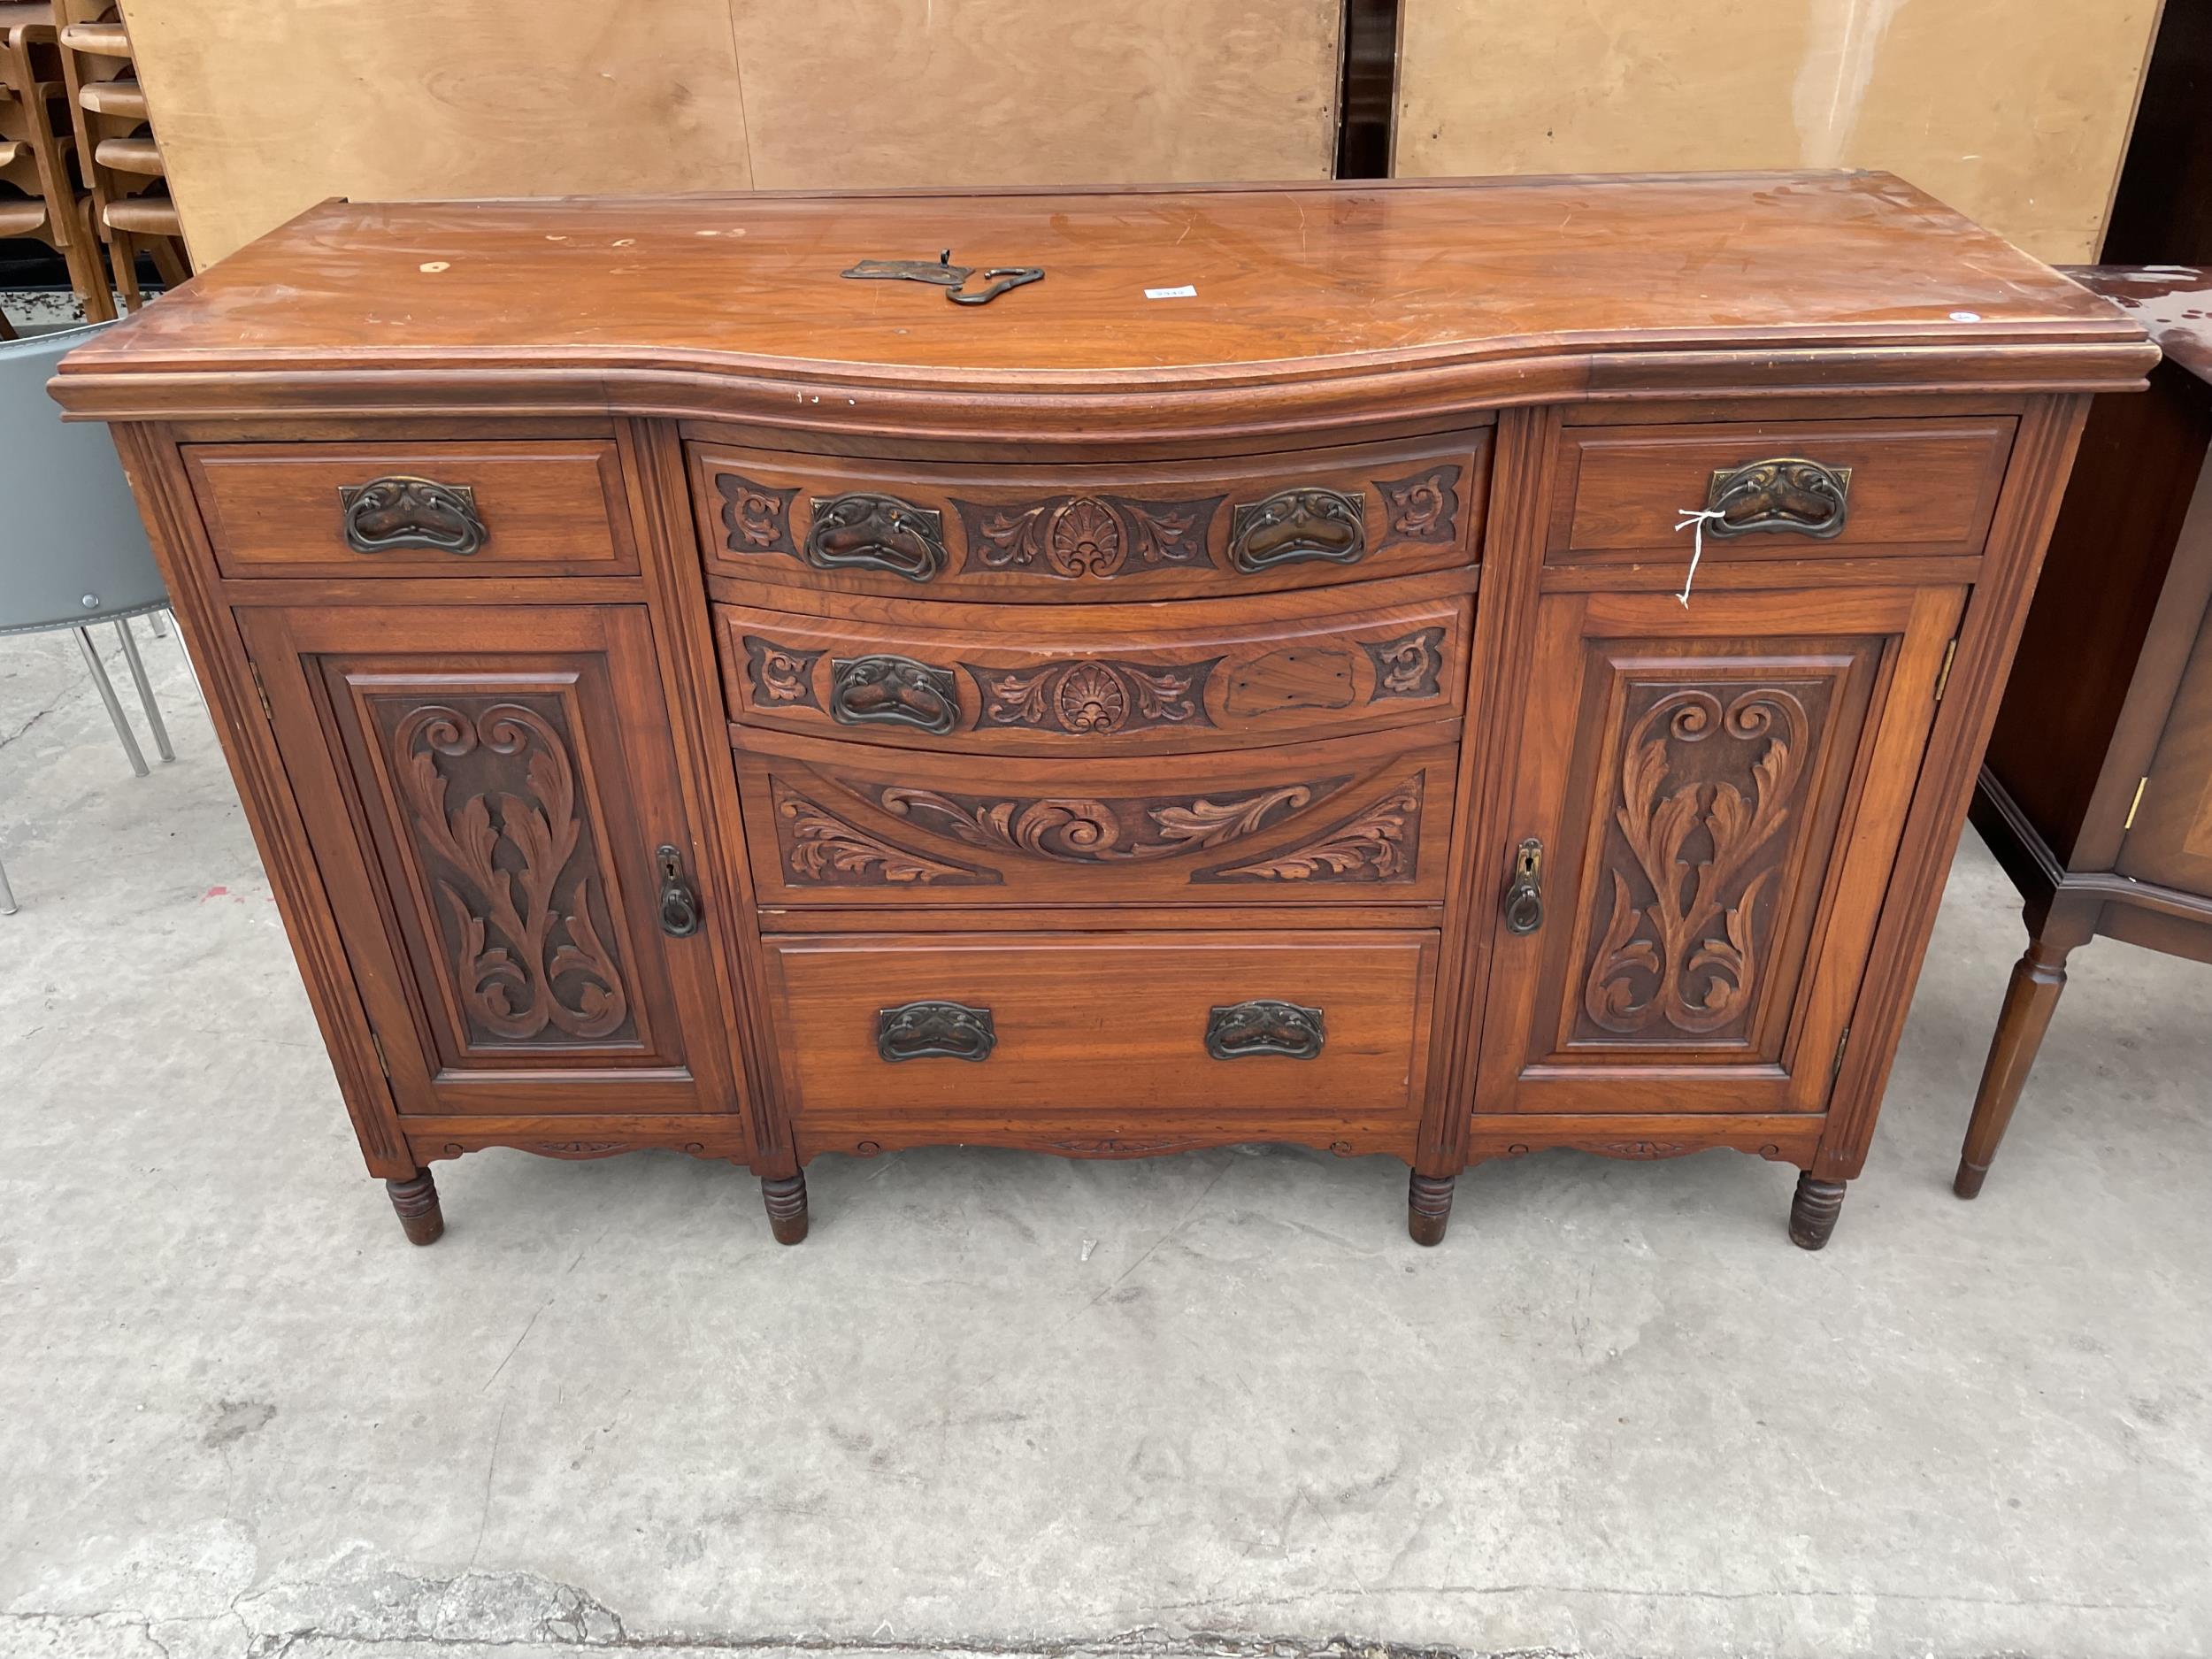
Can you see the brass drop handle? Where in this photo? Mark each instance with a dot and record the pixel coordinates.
(921, 1030)
(863, 531)
(1784, 492)
(1264, 1026)
(1525, 898)
(387, 514)
(885, 690)
(680, 905)
(1292, 525)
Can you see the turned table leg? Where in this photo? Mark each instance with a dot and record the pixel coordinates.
(785, 1198)
(416, 1200)
(2031, 998)
(1813, 1211)
(1429, 1207)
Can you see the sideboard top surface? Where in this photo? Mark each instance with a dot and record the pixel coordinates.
(1497, 289)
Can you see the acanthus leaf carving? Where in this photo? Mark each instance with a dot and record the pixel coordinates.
(1380, 843)
(821, 847)
(517, 938)
(1098, 536)
(1658, 959)
(1091, 830)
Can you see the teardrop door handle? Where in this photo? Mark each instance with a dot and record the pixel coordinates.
(1525, 898)
(680, 903)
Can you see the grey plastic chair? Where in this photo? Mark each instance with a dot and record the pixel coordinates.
(72, 551)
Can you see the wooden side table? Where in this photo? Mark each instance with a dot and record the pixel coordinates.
(2096, 794)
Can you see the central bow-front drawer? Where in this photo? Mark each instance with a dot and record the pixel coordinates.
(1251, 524)
(1359, 819)
(1272, 1025)
(1105, 679)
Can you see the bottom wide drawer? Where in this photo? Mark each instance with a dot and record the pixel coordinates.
(1248, 1025)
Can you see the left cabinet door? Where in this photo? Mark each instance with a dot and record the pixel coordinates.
(495, 804)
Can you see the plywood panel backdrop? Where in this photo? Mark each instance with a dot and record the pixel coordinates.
(264, 109)
(2013, 112)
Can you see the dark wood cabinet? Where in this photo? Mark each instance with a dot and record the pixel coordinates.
(1439, 670)
(2096, 794)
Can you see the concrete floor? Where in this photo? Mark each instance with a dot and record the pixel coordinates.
(1004, 1405)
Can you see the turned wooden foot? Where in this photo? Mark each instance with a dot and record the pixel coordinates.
(416, 1200)
(1813, 1211)
(785, 1198)
(2030, 997)
(1429, 1207)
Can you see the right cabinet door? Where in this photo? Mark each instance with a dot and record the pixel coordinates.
(1707, 803)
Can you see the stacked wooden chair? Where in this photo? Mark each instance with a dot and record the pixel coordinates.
(39, 196)
(130, 203)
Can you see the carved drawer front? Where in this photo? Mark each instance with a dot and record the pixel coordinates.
(492, 799)
(1706, 810)
(539, 507)
(1053, 535)
(1019, 1037)
(1352, 820)
(1100, 680)
(1782, 490)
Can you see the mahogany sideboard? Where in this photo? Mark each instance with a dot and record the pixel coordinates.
(2096, 794)
(1248, 684)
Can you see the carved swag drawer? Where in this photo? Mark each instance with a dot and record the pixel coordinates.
(1108, 726)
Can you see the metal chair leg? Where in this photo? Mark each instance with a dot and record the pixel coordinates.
(190, 672)
(154, 621)
(7, 894)
(107, 695)
(145, 687)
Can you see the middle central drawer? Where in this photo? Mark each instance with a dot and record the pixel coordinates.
(1104, 679)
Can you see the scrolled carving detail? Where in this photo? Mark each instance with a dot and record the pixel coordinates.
(517, 940)
(1424, 507)
(782, 675)
(1094, 698)
(1657, 960)
(755, 518)
(1088, 536)
(1412, 666)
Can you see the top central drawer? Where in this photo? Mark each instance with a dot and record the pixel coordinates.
(1255, 523)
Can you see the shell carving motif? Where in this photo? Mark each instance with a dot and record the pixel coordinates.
(1088, 536)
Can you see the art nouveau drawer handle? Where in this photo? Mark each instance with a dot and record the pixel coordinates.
(678, 905)
(893, 691)
(875, 533)
(1292, 525)
(921, 1030)
(1525, 898)
(1788, 492)
(387, 514)
(1242, 1031)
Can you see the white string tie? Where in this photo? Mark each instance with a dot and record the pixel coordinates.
(1695, 517)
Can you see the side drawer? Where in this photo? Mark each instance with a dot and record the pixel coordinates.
(1786, 490)
(1264, 1026)
(1361, 821)
(1250, 523)
(538, 507)
(1103, 679)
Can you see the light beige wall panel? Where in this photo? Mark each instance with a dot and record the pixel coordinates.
(2014, 112)
(264, 109)
(899, 92)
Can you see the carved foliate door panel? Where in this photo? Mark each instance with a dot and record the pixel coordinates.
(495, 804)
(1707, 803)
